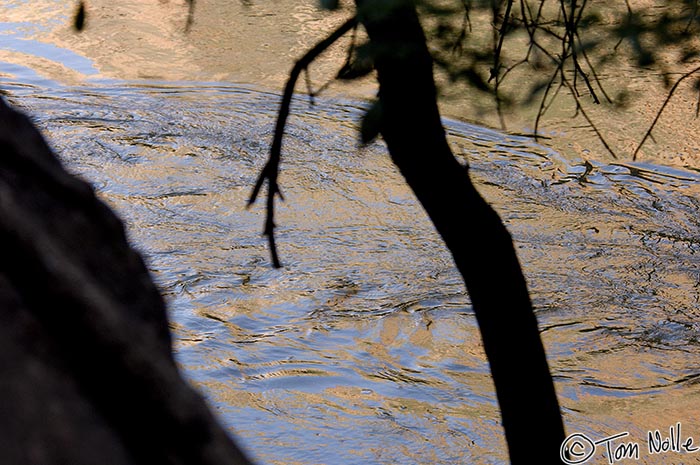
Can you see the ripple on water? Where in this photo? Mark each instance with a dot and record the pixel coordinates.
(365, 343)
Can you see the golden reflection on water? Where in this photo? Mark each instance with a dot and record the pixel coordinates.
(364, 349)
(257, 44)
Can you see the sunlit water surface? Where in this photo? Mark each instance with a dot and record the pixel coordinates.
(364, 348)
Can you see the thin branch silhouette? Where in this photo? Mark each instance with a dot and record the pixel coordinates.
(661, 110)
(579, 108)
(190, 15)
(270, 171)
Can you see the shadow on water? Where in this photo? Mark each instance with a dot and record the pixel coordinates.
(365, 343)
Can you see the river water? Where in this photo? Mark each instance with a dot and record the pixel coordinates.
(363, 348)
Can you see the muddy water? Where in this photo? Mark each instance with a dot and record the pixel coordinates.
(364, 349)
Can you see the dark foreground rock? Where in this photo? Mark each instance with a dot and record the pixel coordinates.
(86, 370)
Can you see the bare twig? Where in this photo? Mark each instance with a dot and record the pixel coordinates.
(543, 103)
(630, 13)
(595, 75)
(466, 28)
(661, 110)
(692, 17)
(580, 71)
(495, 71)
(580, 109)
(309, 87)
(501, 37)
(79, 18)
(271, 168)
(190, 15)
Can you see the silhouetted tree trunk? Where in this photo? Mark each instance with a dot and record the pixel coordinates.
(86, 370)
(481, 246)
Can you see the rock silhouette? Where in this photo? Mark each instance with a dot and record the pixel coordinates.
(86, 368)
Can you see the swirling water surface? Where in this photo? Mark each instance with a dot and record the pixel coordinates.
(364, 349)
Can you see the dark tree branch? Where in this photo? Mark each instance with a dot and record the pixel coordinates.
(271, 170)
(481, 246)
